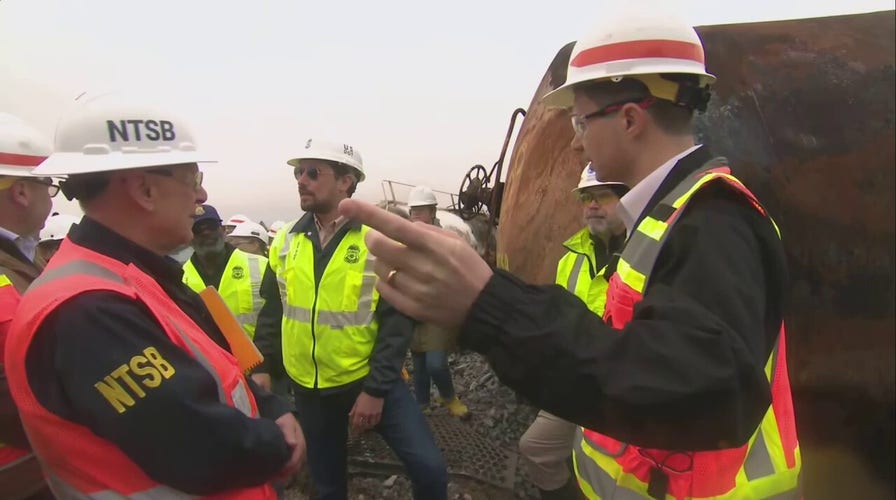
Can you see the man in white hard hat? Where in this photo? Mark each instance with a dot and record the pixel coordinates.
(429, 350)
(275, 227)
(250, 237)
(546, 446)
(52, 234)
(24, 206)
(342, 346)
(681, 390)
(126, 386)
(231, 223)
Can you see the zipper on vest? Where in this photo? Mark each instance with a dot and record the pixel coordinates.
(313, 336)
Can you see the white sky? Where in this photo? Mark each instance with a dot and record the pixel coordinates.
(424, 90)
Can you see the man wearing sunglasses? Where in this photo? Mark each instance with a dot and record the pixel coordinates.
(24, 206)
(546, 446)
(342, 346)
(117, 356)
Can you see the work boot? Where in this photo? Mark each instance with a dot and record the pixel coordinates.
(569, 491)
(456, 408)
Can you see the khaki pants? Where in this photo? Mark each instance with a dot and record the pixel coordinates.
(546, 446)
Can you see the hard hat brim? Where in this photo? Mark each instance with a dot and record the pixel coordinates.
(14, 171)
(78, 163)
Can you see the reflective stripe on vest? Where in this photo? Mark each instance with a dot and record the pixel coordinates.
(573, 281)
(329, 324)
(575, 272)
(64, 491)
(762, 468)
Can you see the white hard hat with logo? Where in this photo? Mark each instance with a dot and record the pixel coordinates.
(422, 196)
(22, 148)
(639, 45)
(114, 132)
(57, 227)
(237, 219)
(589, 179)
(252, 230)
(331, 151)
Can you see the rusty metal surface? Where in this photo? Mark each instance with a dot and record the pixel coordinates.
(804, 110)
(466, 452)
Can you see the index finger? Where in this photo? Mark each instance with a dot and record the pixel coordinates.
(387, 223)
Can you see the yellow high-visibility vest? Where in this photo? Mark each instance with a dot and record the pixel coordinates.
(240, 285)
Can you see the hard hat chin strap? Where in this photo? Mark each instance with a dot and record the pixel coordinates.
(681, 90)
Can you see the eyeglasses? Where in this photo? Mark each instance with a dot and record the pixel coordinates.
(52, 189)
(313, 173)
(195, 182)
(602, 196)
(579, 122)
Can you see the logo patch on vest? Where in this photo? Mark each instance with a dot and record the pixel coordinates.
(353, 254)
(238, 273)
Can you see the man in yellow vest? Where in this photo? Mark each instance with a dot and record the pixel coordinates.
(681, 390)
(234, 273)
(342, 346)
(546, 446)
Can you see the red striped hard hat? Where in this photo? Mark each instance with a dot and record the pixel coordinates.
(635, 46)
(22, 148)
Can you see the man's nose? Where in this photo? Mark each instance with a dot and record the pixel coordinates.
(201, 195)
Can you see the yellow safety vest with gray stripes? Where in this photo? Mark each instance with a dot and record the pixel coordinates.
(329, 328)
(240, 285)
(576, 272)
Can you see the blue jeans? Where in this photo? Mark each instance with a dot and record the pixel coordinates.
(324, 420)
(432, 365)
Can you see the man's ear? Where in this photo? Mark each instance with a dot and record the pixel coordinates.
(635, 119)
(18, 193)
(139, 187)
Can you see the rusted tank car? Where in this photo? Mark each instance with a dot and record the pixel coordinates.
(804, 111)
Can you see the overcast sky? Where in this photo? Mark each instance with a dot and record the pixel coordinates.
(424, 90)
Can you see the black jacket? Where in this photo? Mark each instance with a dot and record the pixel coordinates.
(393, 337)
(179, 433)
(688, 371)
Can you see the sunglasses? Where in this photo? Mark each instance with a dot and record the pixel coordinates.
(195, 182)
(313, 173)
(579, 123)
(52, 189)
(602, 196)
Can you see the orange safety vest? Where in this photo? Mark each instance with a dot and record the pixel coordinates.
(767, 466)
(9, 301)
(77, 462)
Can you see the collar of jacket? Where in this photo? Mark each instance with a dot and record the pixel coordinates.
(20, 271)
(306, 224)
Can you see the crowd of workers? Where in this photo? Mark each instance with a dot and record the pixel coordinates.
(658, 362)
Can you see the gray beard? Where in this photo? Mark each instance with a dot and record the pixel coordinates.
(209, 250)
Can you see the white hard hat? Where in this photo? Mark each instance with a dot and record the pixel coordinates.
(112, 132)
(338, 152)
(57, 226)
(638, 45)
(589, 179)
(252, 230)
(422, 196)
(22, 148)
(274, 227)
(237, 219)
